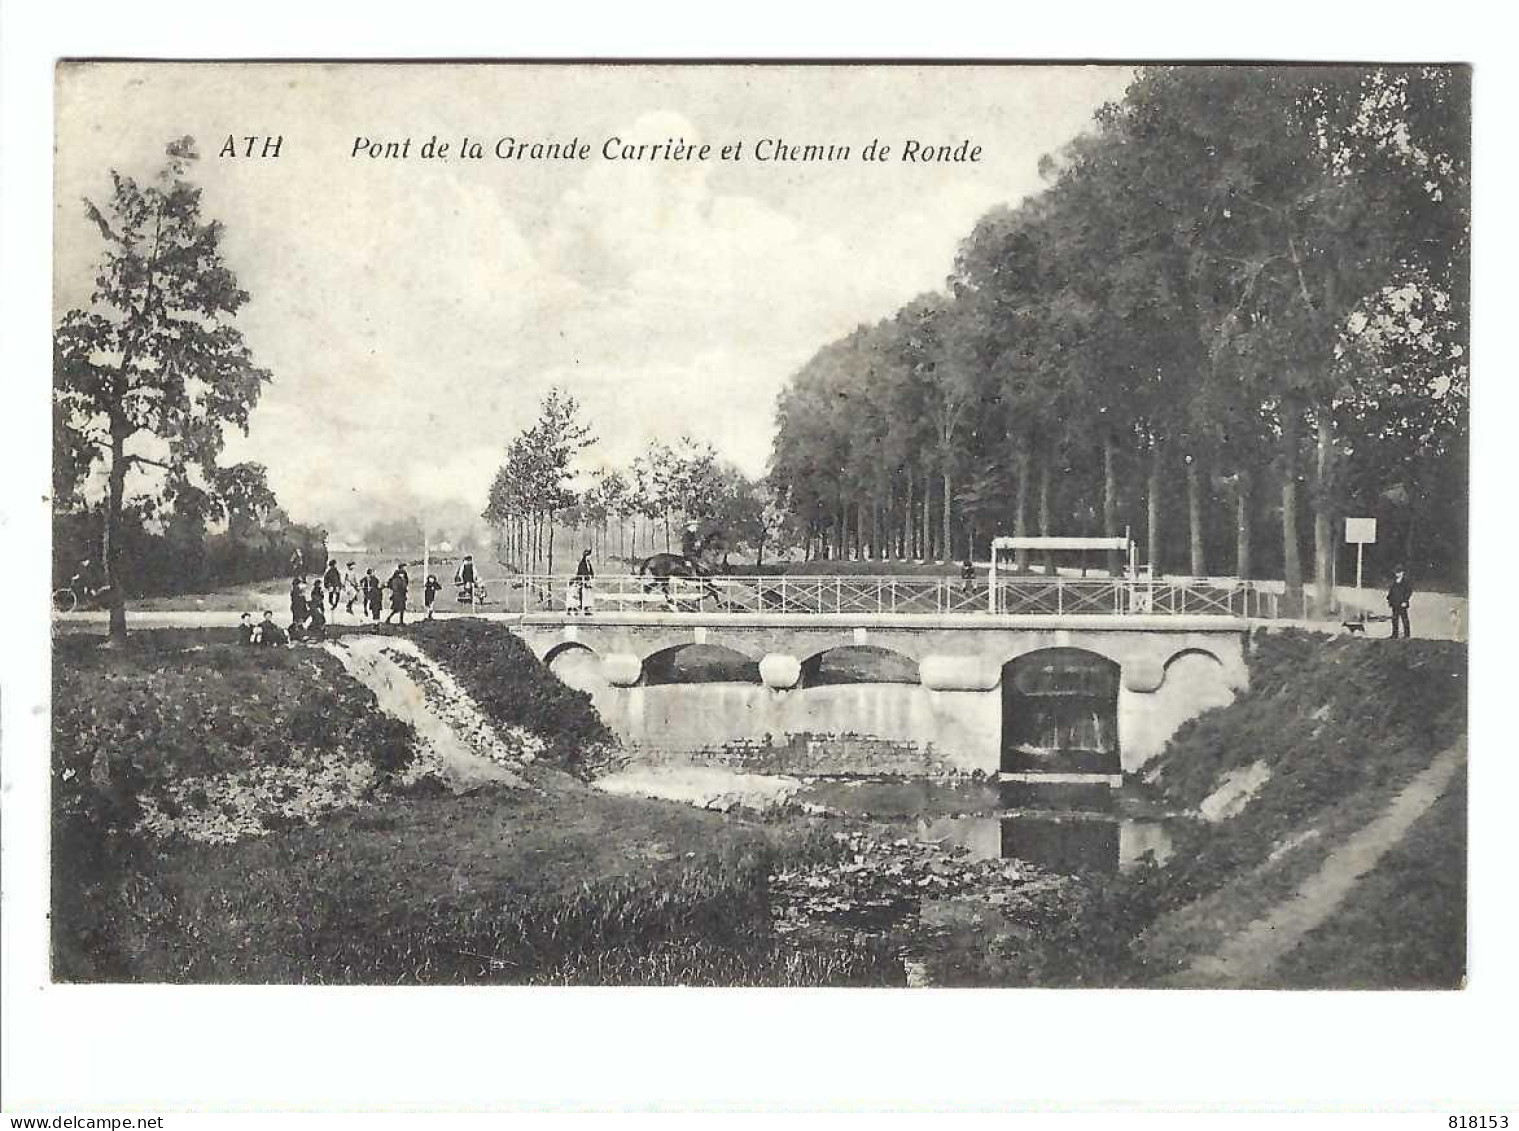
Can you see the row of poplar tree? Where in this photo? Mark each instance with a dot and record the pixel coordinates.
(1238, 308)
(540, 490)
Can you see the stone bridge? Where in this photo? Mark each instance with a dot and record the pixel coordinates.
(967, 703)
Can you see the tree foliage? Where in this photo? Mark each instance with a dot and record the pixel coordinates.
(150, 374)
(1237, 274)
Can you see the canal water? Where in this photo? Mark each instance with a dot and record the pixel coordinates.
(682, 740)
(979, 818)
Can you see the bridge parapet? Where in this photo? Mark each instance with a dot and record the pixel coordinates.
(852, 594)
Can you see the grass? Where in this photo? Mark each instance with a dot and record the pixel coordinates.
(512, 688)
(556, 886)
(1404, 925)
(1343, 724)
(563, 887)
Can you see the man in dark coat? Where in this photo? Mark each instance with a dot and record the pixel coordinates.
(465, 579)
(370, 584)
(585, 573)
(299, 610)
(317, 626)
(1399, 594)
(332, 580)
(268, 633)
(690, 542)
(398, 584)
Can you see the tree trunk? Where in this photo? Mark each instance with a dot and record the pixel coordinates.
(1021, 460)
(1242, 527)
(928, 518)
(1152, 490)
(1195, 518)
(949, 541)
(1323, 519)
(111, 548)
(859, 531)
(1292, 565)
(907, 554)
(551, 540)
(1110, 500)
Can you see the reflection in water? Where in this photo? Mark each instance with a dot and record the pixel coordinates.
(1062, 842)
(693, 718)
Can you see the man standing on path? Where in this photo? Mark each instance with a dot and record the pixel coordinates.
(351, 587)
(1399, 594)
(370, 584)
(332, 581)
(584, 574)
(398, 584)
(465, 580)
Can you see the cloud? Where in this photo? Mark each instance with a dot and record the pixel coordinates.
(414, 314)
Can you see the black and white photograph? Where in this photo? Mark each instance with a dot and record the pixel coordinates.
(788, 526)
(777, 562)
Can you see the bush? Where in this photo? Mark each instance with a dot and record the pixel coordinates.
(132, 723)
(211, 709)
(513, 688)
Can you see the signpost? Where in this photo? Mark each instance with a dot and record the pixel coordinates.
(1360, 531)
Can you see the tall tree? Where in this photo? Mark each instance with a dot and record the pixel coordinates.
(150, 374)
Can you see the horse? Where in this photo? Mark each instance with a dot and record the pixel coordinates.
(660, 568)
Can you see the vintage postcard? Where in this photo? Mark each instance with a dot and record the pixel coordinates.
(760, 525)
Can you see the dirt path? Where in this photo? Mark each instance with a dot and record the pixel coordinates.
(462, 743)
(1244, 960)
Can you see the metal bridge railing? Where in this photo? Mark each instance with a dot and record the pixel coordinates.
(858, 593)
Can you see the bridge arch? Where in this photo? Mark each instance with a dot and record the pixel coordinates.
(858, 663)
(1060, 711)
(1193, 654)
(564, 648)
(691, 662)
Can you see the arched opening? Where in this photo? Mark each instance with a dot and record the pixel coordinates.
(565, 648)
(699, 663)
(1194, 658)
(858, 663)
(574, 664)
(1060, 712)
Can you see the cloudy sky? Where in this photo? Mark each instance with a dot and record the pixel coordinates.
(413, 312)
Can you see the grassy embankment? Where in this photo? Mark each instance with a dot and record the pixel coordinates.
(386, 882)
